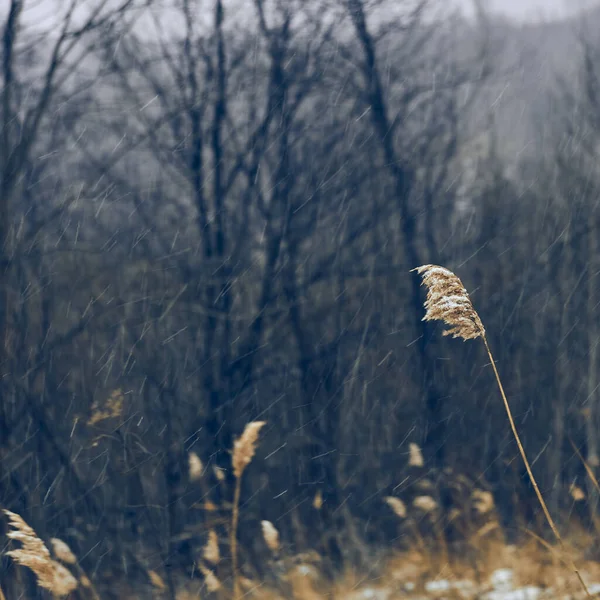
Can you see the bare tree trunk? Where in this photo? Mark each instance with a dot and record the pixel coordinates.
(403, 180)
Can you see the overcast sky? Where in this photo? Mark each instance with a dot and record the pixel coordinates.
(37, 11)
(527, 10)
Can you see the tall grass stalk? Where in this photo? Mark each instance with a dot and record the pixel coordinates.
(243, 453)
(448, 301)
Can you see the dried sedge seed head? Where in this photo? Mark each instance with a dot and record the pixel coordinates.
(448, 301)
(397, 506)
(416, 457)
(195, 467)
(210, 579)
(425, 503)
(211, 550)
(111, 408)
(425, 484)
(483, 501)
(219, 473)
(51, 575)
(156, 580)
(245, 446)
(63, 552)
(209, 506)
(64, 582)
(271, 535)
(318, 500)
(577, 493)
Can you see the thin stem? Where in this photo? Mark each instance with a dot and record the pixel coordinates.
(530, 472)
(233, 535)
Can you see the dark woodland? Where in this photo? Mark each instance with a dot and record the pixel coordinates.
(209, 213)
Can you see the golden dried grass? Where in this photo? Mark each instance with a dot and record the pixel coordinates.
(33, 554)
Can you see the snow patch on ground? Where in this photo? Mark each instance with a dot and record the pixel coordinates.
(500, 586)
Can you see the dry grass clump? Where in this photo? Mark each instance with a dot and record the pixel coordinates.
(33, 554)
(448, 301)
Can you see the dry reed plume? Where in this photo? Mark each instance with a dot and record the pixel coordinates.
(210, 579)
(397, 506)
(156, 580)
(211, 553)
(448, 301)
(243, 453)
(34, 554)
(425, 503)
(270, 535)
(219, 473)
(483, 501)
(245, 447)
(415, 456)
(112, 408)
(195, 467)
(62, 552)
(577, 493)
(318, 500)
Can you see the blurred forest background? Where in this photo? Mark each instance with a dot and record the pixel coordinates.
(208, 215)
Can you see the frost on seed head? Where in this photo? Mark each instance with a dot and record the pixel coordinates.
(448, 301)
